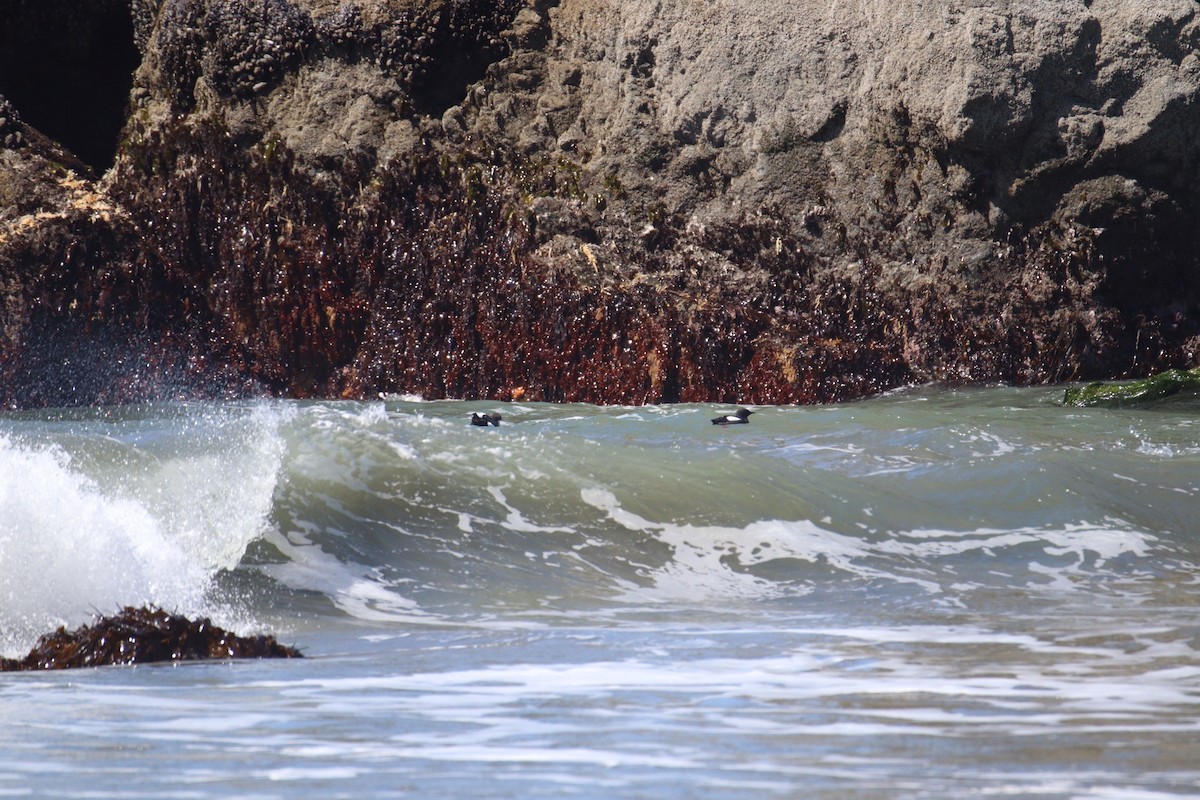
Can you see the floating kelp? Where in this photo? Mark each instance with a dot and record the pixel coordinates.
(141, 636)
(1124, 393)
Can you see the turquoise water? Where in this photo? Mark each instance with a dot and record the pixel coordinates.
(931, 594)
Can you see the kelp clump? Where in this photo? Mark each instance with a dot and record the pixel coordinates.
(142, 636)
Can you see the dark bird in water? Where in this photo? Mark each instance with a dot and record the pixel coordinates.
(484, 420)
(739, 417)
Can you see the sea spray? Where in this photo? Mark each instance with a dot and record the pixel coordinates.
(148, 522)
(66, 548)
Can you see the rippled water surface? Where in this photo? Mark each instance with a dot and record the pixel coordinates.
(931, 594)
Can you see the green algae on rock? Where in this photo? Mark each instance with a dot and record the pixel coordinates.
(1125, 393)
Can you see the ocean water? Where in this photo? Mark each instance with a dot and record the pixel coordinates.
(933, 594)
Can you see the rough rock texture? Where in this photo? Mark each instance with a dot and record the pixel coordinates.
(616, 202)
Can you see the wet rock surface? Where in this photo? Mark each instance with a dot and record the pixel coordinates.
(143, 636)
(615, 202)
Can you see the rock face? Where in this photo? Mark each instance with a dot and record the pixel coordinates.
(614, 201)
(67, 66)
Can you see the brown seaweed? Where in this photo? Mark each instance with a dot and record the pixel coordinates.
(143, 635)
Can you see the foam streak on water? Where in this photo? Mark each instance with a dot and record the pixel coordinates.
(935, 594)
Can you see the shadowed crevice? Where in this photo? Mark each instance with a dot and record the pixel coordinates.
(67, 66)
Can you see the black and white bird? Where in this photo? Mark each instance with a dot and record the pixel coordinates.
(739, 417)
(484, 420)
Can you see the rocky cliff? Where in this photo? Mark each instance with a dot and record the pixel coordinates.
(596, 200)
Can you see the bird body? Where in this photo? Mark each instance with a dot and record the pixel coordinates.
(739, 417)
(483, 420)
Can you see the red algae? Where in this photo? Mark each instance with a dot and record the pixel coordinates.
(239, 272)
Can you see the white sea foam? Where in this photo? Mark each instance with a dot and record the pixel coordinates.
(73, 544)
(66, 548)
(349, 586)
(515, 520)
(700, 568)
(899, 691)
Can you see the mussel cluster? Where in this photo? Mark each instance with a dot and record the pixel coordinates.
(254, 43)
(404, 45)
(10, 126)
(246, 47)
(180, 46)
(243, 47)
(142, 14)
(342, 30)
(435, 50)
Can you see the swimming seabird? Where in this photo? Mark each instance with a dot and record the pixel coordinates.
(485, 419)
(739, 417)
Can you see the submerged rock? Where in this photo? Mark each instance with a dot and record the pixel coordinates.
(142, 636)
(1126, 393)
